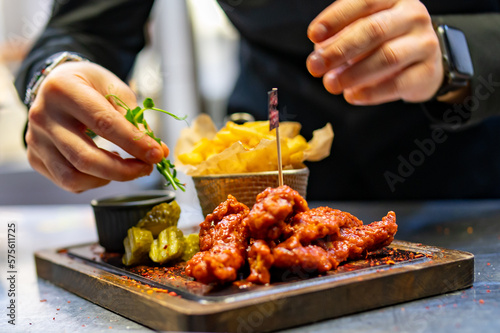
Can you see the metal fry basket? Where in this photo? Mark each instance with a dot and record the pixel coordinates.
(213, 189)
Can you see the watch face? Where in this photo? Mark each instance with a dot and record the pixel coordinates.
(460, 61)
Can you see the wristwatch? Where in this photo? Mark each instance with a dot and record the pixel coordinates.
(457, 62)
(51, 63)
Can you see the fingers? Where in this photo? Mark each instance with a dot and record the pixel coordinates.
(385, 62)
(90, 159)
(358, 40)
(64, 175)
(113, 126)
(376, 51)
(341, 14)
(88, 107)
(51, 164)
(396, 88)
(75, 165)
(165, 149)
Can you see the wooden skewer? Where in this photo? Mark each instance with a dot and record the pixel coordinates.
(280, 168)
(274, 123)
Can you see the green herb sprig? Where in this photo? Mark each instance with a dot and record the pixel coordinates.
(136, 117)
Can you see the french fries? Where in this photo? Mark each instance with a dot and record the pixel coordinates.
(245, 148)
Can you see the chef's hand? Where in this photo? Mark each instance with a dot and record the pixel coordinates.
(70, 101)
(376, 51)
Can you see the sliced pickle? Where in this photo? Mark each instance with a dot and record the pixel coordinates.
(192, 246)
(160, 217)
(137, 245)
(168, 246)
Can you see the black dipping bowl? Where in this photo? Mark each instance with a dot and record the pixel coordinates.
(115, 215)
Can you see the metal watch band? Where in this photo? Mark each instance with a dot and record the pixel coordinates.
(51, 63)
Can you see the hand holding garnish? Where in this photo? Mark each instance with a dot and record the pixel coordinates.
(71, 100)
(136, 117)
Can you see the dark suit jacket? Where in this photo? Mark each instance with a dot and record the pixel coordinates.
(392, 151)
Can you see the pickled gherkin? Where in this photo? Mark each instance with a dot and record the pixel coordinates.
(137, 245)
(168, 246)
(161, 217)
(192, 246)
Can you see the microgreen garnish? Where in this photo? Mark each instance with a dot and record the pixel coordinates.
(136, 117)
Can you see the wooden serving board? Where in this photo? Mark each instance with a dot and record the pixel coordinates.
(165, 299)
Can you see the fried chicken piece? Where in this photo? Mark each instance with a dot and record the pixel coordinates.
(223, 243)
(267, 220)
(311, 258)
(319, 223)
(323, 255)
(273, 207)
(306, 227)
(228, 207)
(260, 259)
(355, 243)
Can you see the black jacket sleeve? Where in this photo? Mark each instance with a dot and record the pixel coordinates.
(109, 33)
(483, 37)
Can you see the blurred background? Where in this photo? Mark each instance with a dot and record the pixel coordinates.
(189, 67)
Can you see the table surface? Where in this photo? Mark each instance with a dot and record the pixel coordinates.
(472, 225)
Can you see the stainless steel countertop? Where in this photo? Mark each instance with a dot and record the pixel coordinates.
(472, 225)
